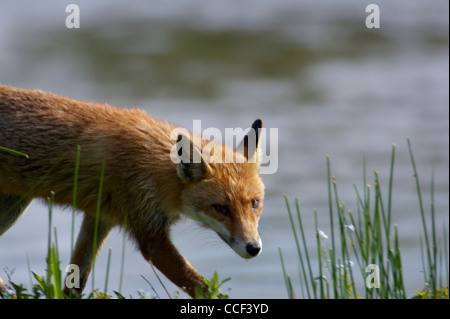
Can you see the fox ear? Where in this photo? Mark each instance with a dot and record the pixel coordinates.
(249, 145)
(192, 165)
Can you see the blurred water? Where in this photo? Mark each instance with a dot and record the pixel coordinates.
(309, 68)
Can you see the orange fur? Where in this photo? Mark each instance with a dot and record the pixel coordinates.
(141, 182)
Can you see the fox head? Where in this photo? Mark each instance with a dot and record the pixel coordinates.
(225, 196)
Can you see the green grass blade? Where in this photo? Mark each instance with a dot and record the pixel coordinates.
(122, 262)
(287, 280)
(422, 255)
(297, 243)
(74, 199)
(29, 271)
(50, 201)
(400, 286)
(446, 253)
(319, 254)
(305, 247)
(160, 281)
(433, 237)
(56, 273)
(97, 220)
(333, 246)
(391, 183)
(108, 265)
(14, 152)
(431, 279)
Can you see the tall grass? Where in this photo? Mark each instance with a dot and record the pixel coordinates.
(363, 261)
(368, 237)
(50, 285)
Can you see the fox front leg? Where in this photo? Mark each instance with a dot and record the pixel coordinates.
(11, 208)
(85, 254)
(163, 254)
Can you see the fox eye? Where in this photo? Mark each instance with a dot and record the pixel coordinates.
(221, 209)
(255, 203)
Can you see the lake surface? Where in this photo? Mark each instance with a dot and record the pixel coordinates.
(311, 69)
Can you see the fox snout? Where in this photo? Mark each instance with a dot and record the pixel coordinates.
(245, 249)
(253, 249)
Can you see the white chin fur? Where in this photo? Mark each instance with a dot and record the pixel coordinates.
(238, 245)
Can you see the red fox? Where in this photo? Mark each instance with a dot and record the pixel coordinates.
(141, 183)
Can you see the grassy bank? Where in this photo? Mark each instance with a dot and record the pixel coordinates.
(361, 256)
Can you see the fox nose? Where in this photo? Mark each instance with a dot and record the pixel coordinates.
(253, 249)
